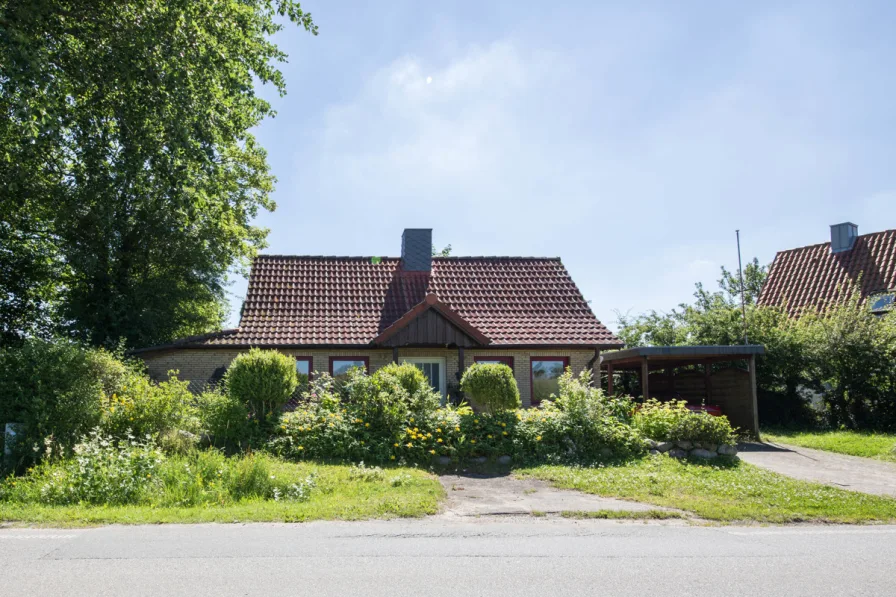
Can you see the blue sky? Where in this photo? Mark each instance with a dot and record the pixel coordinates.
(630, 139)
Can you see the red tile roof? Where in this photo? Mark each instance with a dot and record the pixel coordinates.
(810, 277)
(325, 301)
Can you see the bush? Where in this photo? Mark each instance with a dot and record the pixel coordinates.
(491, 387)
(224, 419)
(134, 472)
(143, 408)
(55, 391)
(264, 380)
(672, 421)
(101, 472)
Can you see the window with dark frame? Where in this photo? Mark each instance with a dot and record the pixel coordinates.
(545, 375)
(303, 369)
(339, 366)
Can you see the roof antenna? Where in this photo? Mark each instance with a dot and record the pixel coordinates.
(740, 273)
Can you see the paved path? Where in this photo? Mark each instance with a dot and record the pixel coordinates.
(490, 495)
(438, 557)
(847, 472)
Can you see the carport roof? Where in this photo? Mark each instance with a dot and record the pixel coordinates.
(678, 355)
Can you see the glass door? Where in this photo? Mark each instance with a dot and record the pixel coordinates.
(434, 370)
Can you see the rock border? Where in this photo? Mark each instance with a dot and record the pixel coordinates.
(689, 449)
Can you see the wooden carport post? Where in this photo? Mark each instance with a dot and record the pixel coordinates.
(644, 378)
(707, 380)
(609, 379)
(753, 392)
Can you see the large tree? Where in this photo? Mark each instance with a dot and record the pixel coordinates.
(128, 176)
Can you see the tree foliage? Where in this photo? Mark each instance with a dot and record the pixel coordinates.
(128, 173)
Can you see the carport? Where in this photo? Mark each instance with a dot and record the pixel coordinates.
(702, 381)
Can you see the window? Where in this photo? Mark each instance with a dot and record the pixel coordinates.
(339, 366)
(546, 372)
(882, 302)
(434, 370)
(495, 361)
(303, 368)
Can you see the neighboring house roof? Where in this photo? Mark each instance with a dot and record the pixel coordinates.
(810, 277)
(360, 301)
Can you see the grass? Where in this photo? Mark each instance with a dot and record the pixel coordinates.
(733, 491)
(855, 443)
(337, 496)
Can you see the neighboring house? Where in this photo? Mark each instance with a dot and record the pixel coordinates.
(440, 313)
(811, 277)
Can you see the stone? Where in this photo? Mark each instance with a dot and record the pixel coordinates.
(665, 446)
(710, 447)
(727, 450)
(442, 460)
(655, 452)
(504, 459)
(677, 453)
(685, 445)
(702, 453)
(650, 444)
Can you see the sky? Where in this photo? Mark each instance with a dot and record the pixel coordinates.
(630, 139)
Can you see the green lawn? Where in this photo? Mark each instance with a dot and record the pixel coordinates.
(730, 492)
(336, 497)
(855, 443)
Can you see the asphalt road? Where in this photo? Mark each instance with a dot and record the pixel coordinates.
(439, 556)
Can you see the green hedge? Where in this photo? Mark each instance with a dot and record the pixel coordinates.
(491, 387)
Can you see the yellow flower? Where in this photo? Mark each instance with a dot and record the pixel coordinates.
(396, 444)
(432, 451)
(489, 435)
(438, 430)
(476, 421)
(362, 442)
(112, 409)
(538, 438)
(410, 445)
(411, 420)
(367, 424)
(148, 476)
(505, 433)
(457, 428)
(503, 424)
(439, 440)
(301, 447)
(392, 457)
(472, 441)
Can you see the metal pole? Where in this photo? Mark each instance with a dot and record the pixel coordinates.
(740, 273)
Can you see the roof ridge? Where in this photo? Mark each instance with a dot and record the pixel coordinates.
(827, 243)
(435, 258)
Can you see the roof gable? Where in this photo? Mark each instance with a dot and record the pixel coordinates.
(431, 322)
(811, 277)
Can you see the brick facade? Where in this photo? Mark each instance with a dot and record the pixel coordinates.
(199, 365)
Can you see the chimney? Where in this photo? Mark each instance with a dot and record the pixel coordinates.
(843, 237)
(416, 249)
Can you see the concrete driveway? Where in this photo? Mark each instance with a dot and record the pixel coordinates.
(846, 472)
(496, 495)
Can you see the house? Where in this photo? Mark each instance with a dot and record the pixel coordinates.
(810, 277)
(440, 313)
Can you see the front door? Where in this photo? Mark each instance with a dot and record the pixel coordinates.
(434, 370)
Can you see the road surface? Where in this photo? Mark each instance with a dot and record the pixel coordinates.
(434, 557)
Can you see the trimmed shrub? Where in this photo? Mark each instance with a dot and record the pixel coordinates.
(264, 380)
(672, 421)
(491, 387)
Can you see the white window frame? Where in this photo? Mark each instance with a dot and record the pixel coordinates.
(441, 361)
